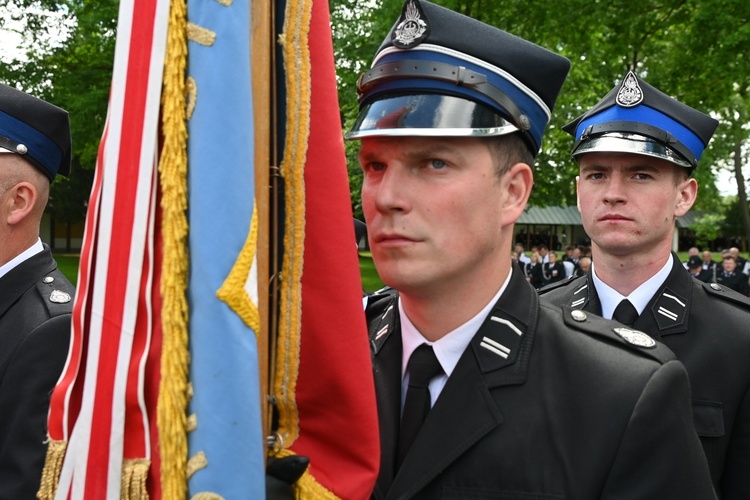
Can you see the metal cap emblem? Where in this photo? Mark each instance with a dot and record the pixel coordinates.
(59, 297)
(630, 93)
(412, 28)
(635, 337)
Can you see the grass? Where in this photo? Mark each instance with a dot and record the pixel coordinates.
(370, 279)
(68, 264)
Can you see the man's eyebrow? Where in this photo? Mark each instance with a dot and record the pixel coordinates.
(436, 149)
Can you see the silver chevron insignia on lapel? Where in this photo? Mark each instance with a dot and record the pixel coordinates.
(495, 347)
(381, 332)
(507, 323)
(670, 310)
(498, 341)
(669, 314)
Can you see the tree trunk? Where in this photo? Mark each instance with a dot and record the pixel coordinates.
(741, 193)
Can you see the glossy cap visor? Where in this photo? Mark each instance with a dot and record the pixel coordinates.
(617, 142)
(433, 115)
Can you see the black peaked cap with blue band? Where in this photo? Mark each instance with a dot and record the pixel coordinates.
(35, 129)
(637, 118)
(440, 73)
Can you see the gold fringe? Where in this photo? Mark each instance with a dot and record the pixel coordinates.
(201, 35)
(233, 291)
(196, 463)
(191, 87)
(205, 495)
(294, 42)
(52, 466)
(192, 422)
(134, 476)
(297, 62)
(173, 386)
(307, 487)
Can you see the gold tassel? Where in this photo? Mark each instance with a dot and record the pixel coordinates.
(52, 466)
(134, 475)
(173, 387)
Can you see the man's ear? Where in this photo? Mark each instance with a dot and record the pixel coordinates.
(686, 195)
(21, 201)
(518, 181)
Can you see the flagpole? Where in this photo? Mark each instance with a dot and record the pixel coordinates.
(262, 78)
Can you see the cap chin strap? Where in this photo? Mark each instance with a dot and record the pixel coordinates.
(665, 138)
(459, 75)
(8, 145)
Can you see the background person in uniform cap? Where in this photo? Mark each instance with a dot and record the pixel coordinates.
(520, 400)
(36, 300)
(694, 265)
(636, 150)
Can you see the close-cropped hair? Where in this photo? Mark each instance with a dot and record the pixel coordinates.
(507, 150)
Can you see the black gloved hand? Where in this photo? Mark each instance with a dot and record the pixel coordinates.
(281, 474)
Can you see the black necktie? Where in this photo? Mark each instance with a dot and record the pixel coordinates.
(625, 313)
(423, 366)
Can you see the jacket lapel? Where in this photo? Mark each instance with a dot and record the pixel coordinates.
(668, 310)
(385, 338)
(466, 410)
(584, 296)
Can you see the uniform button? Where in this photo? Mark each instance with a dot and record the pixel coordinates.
(715, 286)
(578, 315)
(48, 279)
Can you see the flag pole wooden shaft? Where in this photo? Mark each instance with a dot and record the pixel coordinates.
(262, 51)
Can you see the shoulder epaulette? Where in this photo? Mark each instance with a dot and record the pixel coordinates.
(56, 293)
(559, 284)
(725, 293)
(617, 334)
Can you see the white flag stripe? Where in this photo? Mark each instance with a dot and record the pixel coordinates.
(75, 468)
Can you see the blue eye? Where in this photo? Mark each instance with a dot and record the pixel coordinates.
(438, 164)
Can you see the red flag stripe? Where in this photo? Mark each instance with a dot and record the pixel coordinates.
(114, 319)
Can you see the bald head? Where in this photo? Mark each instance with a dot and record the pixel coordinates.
(24, 191)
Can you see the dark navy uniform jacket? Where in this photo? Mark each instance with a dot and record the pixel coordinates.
(544, 403)
(708, 327)
(34, 338)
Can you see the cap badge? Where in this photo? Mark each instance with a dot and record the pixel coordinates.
(59, 297)
(635, 337)
(630, 93)
(412, 28)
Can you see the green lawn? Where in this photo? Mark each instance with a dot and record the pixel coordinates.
(370, 279)
(68, 264)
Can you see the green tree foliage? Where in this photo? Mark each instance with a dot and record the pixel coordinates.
(68, 61)
(706, 228)
(693, 50)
